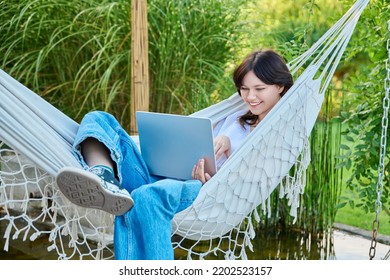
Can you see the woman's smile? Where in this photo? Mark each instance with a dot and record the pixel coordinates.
(260, 96)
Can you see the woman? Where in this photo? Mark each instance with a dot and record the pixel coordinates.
(114, 167)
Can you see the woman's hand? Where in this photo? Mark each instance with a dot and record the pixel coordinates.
(198, 172)
(222, 146)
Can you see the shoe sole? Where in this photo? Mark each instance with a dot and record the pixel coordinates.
(84, 189)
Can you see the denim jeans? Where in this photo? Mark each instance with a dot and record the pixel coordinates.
(145, 231)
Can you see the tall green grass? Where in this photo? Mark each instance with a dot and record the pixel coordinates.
(191, 43)
(76, 53)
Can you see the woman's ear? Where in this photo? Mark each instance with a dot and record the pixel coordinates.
(281, 90)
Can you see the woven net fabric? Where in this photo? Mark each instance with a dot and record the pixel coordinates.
(36, 138)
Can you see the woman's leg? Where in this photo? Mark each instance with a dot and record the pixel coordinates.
(104, 133)
(105, 150)
(96, 153)
(145, 231)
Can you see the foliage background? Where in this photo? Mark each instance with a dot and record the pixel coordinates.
(76, 54)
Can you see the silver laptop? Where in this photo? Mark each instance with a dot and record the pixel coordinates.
(172, 144)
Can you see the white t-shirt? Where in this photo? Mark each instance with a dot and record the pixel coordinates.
(232, 128)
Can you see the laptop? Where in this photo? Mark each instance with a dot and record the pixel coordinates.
(172, 144)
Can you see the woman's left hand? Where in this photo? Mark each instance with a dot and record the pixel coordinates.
(222, 146)
(198, 172)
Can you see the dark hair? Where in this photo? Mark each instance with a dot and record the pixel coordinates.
(270, 68)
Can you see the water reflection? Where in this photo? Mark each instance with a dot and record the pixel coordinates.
(274, 244)
(292, 245)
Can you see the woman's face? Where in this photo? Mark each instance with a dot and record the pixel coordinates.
(259, 96)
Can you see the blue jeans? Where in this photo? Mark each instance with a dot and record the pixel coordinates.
(145, 231)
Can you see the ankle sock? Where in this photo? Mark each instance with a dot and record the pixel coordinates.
(109, 169)
(106, 173)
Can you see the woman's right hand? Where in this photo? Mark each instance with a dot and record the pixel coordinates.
(221, 146)
(198, 172)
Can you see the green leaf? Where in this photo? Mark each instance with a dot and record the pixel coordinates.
(341, 205)
(344, 147)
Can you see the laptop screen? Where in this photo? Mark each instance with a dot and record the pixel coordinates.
(172, 144)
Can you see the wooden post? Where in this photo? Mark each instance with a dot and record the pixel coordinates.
(139, 98)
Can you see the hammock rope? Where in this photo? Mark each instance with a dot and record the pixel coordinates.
(36, 141)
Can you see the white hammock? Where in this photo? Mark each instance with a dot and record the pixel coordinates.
(41, 138)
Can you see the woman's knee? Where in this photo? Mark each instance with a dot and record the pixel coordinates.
(100, 117)
(153, 196)
(145, 195)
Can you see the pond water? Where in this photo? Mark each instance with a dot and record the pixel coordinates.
(268, 245)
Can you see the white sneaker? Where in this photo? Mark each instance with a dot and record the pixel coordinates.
(96, 188)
